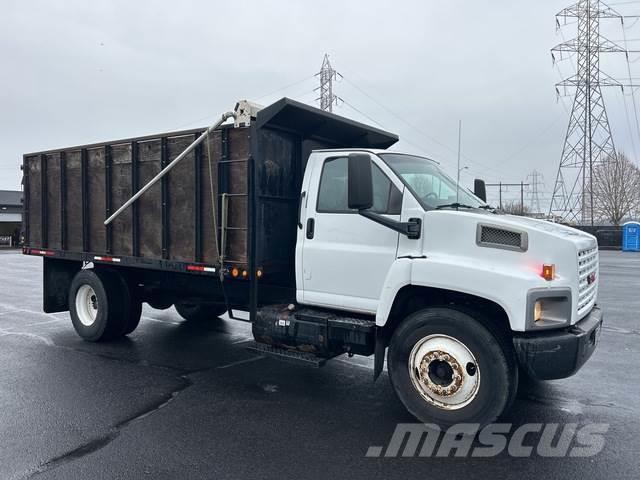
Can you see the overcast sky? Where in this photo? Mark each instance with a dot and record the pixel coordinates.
(76, 72)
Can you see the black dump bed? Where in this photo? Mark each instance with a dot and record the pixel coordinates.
(69, 192)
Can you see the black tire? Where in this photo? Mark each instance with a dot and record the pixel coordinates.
(134, 312)
(496, 365)
(109, 300)
(199, 312)
(133, 320)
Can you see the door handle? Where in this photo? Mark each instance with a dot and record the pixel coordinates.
(302, 195)
(311, 223)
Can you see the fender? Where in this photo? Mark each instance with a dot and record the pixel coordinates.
(451, 274)
(504, 285)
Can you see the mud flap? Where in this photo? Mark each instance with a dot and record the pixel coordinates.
(378, 359)
(57, 277)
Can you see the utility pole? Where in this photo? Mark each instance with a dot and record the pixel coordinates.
(459, 144)
(327, 75)
(507, 185)
(588, 141)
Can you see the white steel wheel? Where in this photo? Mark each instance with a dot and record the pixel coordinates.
(86, 305)
(444, 371)
(99, 305)
(447, 367)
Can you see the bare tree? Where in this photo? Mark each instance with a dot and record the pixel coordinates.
(514, 207)
(616, 189)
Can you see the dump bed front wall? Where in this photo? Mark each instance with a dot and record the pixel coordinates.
(69, 193)
(278, 179)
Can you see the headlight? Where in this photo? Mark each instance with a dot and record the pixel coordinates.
(537, 311)
(548, 308)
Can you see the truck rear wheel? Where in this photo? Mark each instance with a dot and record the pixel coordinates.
(446, 367)
(130, 298)
(199, 312)
(133, 319)
(99, 305)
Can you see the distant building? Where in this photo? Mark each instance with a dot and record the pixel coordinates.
(10, 216)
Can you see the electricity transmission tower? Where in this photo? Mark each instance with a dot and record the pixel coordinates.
(327, 75)
(535, 179)
(588, 141)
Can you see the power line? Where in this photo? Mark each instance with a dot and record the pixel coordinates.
(413, 127)
(371, 119)
(255, 99)
(633, 97)
(286, 87)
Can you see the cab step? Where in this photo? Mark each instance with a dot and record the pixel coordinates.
(290, 356)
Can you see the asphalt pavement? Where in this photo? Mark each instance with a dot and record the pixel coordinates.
(183, 400)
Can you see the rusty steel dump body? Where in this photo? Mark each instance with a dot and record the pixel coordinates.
(69, 192)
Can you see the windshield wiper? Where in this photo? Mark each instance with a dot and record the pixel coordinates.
(487, 207)
(454, 205)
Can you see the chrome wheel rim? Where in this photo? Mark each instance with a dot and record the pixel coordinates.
(444, 372)
(86, 305)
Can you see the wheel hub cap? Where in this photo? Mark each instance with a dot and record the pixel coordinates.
(441, 373)
(444, 371)
(86, 305)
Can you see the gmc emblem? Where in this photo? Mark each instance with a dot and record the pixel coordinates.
(591, 278)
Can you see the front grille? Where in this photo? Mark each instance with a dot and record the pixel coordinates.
(587, 265)
(490, 236)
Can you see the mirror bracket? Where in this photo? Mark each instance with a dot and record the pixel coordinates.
(410, 229)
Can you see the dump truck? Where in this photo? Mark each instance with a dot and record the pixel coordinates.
(331, 242)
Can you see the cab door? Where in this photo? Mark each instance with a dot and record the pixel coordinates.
(345, 257)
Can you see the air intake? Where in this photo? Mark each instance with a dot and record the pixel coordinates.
(499, 237)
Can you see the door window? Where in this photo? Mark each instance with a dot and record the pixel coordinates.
(332, 196)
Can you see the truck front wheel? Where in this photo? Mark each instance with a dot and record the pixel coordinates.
(198, 312)
(99, 305)
(446, 367)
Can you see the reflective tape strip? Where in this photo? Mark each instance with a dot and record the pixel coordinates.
(200, 268)
(107, 259)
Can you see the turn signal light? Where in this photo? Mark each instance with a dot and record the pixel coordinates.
(235, 272)
(548, 271)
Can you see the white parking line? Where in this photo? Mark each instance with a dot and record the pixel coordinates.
(34, 324)
(28, 335)
(171, 322)
(240, 362)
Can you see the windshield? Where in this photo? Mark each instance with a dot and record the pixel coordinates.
(428, 182)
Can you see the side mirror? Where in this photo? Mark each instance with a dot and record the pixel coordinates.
(480, 189)
(360, 184)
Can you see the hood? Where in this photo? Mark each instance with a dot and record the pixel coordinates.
(579, 237)
(461, 226)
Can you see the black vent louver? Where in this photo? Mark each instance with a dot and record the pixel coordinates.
(499, 237)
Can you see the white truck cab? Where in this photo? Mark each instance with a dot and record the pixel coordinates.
(403, 243)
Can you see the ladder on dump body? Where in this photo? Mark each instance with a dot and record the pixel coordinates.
(224, 195)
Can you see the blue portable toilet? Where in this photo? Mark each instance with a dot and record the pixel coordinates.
(631, 237)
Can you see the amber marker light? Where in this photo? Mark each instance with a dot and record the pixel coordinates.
(548, 271)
